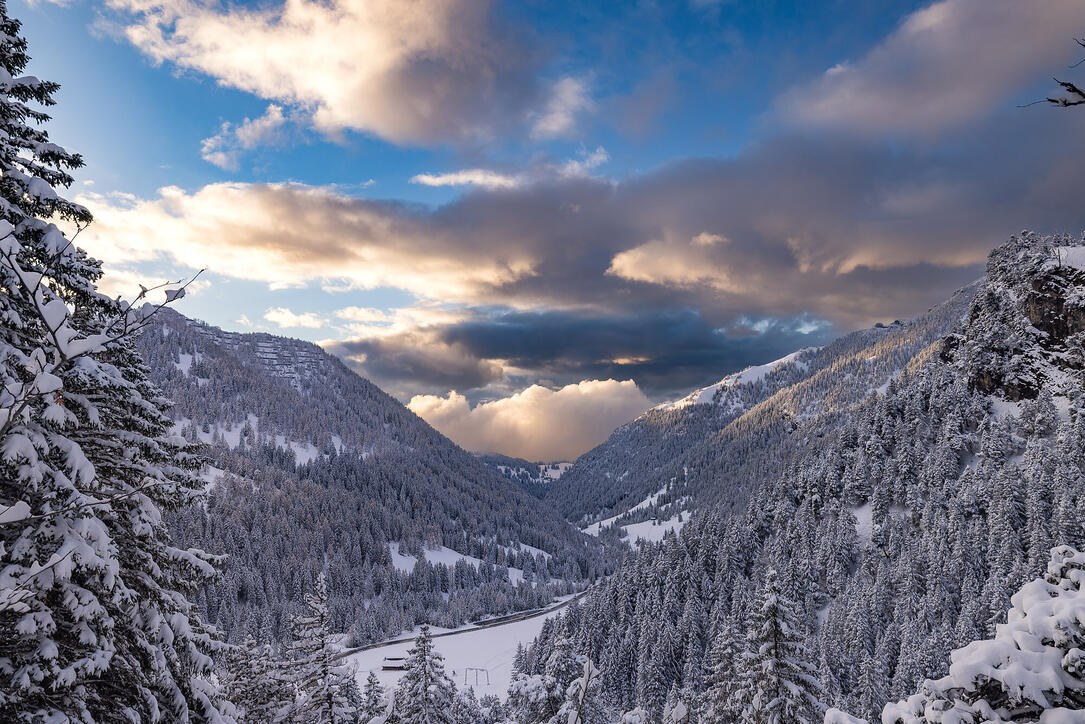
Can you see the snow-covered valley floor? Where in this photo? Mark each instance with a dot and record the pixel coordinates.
(470, 652)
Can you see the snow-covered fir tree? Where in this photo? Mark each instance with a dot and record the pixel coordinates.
(719, 702)
(466, 709)
(539, 697)
(257, 683)
(95, 622)
(374, 701)
(583, 700)
(425, 694)
(327, 692)
(1032, 670)
(779, 679)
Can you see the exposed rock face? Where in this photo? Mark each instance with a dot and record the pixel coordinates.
(1028, 326)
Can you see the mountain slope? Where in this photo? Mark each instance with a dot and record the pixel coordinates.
(712, 447)
(314, 466)
(899, 519)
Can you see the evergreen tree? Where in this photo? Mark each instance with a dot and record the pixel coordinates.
(583, 703)
(723, 677)
(782, 686)
(373, 699)
(466, 709)
(95, 619)
(327, 691)
(425, 694)
(254, 681)
(1032, 670)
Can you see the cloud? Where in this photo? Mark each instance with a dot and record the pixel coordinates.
(945, 65)
(540, 172)
(678, 262)
(406, 361)
(284, 318)
(536, 423)
(225, 147)
(469, 177)
(429, 71)
(290, 235)
(363, 314)
(666, 351)
(583, 166)
(569, 98)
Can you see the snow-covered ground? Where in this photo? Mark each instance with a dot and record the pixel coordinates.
(1073, 256)
(304, 452)
(595, 528)
(650, 530)
(556, 470)
(489, 649)
(448, 557)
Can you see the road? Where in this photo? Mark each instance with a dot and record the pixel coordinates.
(487, 624)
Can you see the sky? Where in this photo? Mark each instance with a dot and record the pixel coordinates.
(531, 221)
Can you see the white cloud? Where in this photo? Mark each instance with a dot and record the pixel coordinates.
(568, 98)
(225, 147)
(678, 261)
(584, 165)
(946, 64)
(545, 171)
(469, 177)
(536, 423)
(363, 314)
(287, 319)
(409, 72)
(288, 235)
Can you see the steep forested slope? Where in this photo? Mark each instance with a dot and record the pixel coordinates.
(715, 446)
(901, 519)
(314, 467)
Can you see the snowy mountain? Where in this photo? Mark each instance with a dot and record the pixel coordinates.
(712, 447)
(312, 465)
(891, 498)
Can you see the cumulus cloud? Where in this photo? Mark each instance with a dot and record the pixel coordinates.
(224, 149)
(289, 235)
(285, 318)
(840, 228)
(409, 72)
(537, 423)
(946, 64)
(677, 262)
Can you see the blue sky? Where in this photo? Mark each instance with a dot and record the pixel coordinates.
(559, 209)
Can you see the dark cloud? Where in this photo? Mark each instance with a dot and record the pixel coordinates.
(407, 363)
(664, 351)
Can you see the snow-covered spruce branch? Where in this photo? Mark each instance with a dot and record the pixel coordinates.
(10, 602)
(7, 518)
(54, 317)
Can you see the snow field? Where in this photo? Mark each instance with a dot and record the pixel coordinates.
(491, 649)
